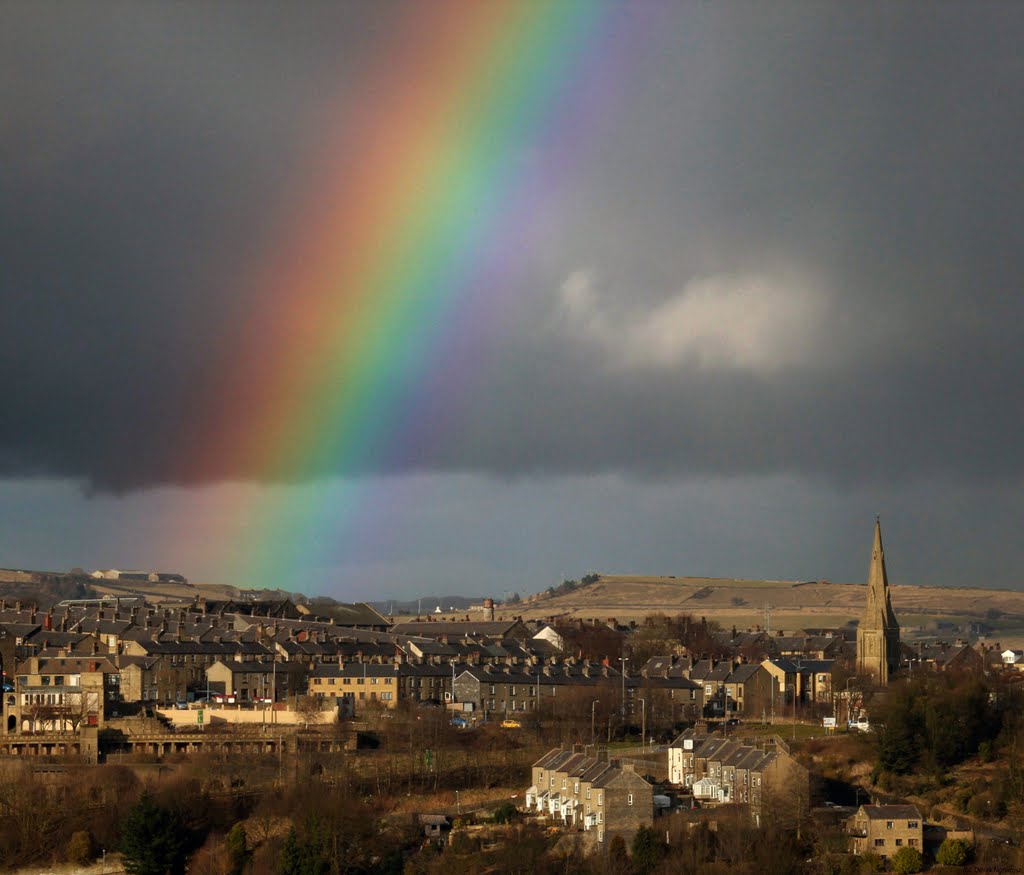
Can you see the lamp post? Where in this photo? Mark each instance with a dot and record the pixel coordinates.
(643, 726)
(622, 659)
(793, 688)
(593, 734)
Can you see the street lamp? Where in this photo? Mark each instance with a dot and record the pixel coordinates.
(793, 688)
(593, 734)
(622, 659)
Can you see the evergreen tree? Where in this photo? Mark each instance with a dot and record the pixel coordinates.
(154, 840)
(304, 857)
(647, 850)
(235, 845)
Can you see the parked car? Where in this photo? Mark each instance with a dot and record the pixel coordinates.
(511, 724)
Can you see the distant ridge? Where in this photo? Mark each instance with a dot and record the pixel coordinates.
(632, 596)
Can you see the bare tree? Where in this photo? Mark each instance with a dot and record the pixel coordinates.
(309, 709)
(75, 709)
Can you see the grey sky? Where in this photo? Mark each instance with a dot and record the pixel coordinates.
(775, 292)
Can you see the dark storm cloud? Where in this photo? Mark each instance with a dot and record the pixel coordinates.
(857, 167)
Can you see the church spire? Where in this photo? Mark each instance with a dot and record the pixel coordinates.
(879, 606)
(878, 634)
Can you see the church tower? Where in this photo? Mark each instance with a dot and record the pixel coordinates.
(878, 635)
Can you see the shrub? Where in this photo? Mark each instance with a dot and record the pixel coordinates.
(906, 861)
(953, 852)
(871, 862)
(81, 849)
(505, 813)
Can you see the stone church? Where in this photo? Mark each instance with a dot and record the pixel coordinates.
(878, 635)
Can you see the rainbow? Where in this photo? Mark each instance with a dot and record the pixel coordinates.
(391, 256)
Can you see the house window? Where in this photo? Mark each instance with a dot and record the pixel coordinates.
(58, 680)
(899, 842)
(576, 789)
(629, 799)
(588, 792)
(911, 824)
(912, 842)
(600, 819)
(600, 800)
(888, 824)
(879, 843)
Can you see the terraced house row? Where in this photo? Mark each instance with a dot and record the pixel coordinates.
(598, 796)
(718, 770)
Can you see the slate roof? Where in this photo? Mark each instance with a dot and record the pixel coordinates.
(891, 812)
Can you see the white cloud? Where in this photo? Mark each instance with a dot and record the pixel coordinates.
(744, 322)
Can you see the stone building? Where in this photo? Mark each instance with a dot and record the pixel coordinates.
(878, 635)
(718, 770)
(884, 829)
(603, 798)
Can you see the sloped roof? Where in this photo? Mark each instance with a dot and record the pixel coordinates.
(891, 812)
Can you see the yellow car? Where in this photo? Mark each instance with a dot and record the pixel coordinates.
(511, 724)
